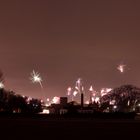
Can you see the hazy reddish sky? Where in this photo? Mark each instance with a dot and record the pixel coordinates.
(67, 39)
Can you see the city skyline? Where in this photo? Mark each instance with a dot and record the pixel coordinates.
(67, 40)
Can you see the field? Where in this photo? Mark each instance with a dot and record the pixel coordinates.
(28, 127)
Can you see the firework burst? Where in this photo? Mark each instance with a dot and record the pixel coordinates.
(56, 100)
(105, 91)
(35, 78)
(75, 93)
(121, 68)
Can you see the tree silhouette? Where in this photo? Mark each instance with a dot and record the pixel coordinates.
(12, 102)
(126, 98)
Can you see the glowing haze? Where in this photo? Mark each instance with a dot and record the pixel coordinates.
(64, 40)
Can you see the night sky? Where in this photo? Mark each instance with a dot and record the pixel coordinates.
(67, 39)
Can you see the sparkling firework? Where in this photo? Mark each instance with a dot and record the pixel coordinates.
(105, 91)
(93, 99)
(91, 88)
(69, 90)
(56, 100)
(112, 102)
(97, 99)
(79, 86)
(121, 68)
(75, 93)
(69, 93)
(76, 88)
(35, 78)
(92, 91)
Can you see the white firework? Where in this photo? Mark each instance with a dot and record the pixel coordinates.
(92, 91)
(75, 93)
(69, 90)
(91, 88)
(121, 68)
(56, 100)
(79, 85)
(35, 78)
(97, 99)
(105, 91)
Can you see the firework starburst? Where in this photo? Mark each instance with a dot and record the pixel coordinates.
(121, 68)
(35, 78)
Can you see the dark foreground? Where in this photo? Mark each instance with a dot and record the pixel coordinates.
(33, 127)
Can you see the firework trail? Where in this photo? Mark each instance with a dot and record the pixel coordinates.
(79, 86)
(93, 94)
(36, 78)
(70, 93)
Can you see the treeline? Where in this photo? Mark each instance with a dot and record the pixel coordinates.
(125, 98)
(11, 102)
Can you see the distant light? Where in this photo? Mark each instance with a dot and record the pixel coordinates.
(114, 106)
(91, 88)
(76, 88)
(87, 102)
(1, 85)
(46, 111)
(93, 99)
(28, 100)
(42, 101)
(128, 103)
(79, 81)
(69, 89)
(112, 102)
(56, 100)
(47, 105)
